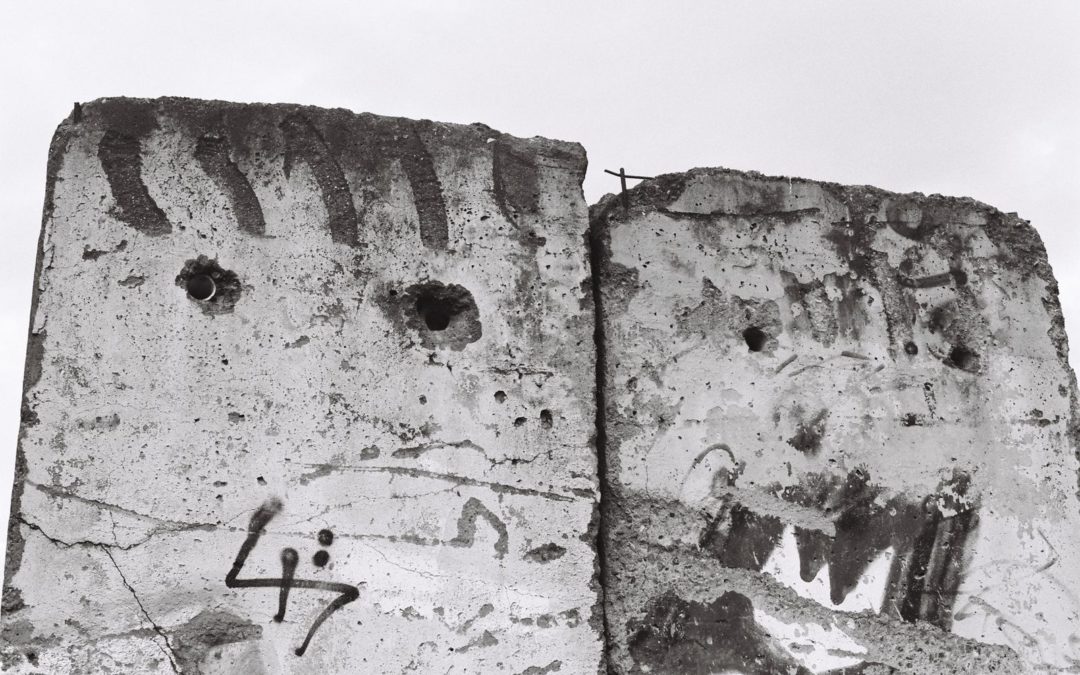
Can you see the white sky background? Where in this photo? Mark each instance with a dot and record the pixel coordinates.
(975, 98)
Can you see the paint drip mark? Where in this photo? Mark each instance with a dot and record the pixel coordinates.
(121, 156)
(212, 152)
(289, 560)
(517, 181)
(928, 538)
(304, 143)
(427, 191)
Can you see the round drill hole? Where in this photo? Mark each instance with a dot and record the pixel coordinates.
(326, 537)
(911, 348)
(755, 338)
(201, 287)
(435, 311)
(320, 558)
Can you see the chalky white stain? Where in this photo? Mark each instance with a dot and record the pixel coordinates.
(812, 645)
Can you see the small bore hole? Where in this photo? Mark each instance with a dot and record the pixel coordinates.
(326, 537)
(911, 348)
(500, 396)
(755, 338)
(546, 419)
(320, 558)
(201, 287)
(435, 311)
(963, 358)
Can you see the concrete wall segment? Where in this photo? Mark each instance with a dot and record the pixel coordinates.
(832, 397)
(377, 429)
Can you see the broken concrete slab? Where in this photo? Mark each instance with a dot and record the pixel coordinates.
(840, 432)
(308, 391)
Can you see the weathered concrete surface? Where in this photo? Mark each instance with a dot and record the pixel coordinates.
(840, 430)
(376, 433)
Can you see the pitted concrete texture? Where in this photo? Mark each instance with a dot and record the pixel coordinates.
(308, 392)
(840, 429)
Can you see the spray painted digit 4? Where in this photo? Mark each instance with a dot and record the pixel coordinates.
(287, 581)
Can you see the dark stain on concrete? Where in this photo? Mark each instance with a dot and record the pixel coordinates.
(553, 667)
(747, 540)
(852, 239)
(546, 553)
(298, 342)
(120, 153)
(691, 638)
(808, 434)
(734, 314)
(212, 152)
(516, 179)
(195, 641)
(304, 143)
(823, 317)
(99, 423)
(620, 285)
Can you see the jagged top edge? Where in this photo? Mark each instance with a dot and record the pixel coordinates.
(650, 192)
(180, 103)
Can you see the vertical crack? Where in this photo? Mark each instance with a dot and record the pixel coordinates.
(167, 650)
(597, 251)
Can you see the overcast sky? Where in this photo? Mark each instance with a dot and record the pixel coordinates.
(976, 98)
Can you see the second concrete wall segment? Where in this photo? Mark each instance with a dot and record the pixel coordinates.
(840, 432)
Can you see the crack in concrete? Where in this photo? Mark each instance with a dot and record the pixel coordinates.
(105, 506)
(460, 480)
(167, 650)
(122, 547)
(415, 451)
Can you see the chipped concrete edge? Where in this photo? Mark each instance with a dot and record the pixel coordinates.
(35, 354)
